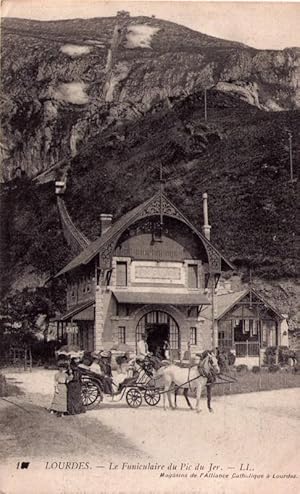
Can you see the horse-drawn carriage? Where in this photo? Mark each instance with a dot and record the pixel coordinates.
(135, 388)
(150, 378)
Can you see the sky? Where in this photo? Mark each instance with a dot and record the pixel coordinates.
(264, 25)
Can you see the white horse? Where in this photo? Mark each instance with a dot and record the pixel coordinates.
(193, 378)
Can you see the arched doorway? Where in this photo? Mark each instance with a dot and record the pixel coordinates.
(158, 326)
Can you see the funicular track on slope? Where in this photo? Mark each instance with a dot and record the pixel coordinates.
(76, 239)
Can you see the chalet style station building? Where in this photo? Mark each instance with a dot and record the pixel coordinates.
(150, 272)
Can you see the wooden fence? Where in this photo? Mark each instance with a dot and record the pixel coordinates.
(19, 358)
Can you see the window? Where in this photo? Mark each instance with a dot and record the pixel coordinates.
(121, 273)
(246, 326)
(250, 326)
(254, 326)
(192, 276)
(264, 337)
(121, 334)
(193, 336)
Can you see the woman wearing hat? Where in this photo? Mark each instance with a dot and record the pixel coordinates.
(74, 398)
(61, 378)
(105, 366)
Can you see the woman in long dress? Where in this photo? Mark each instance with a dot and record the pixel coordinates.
(105, 366)
(59, 402)
(74, 397)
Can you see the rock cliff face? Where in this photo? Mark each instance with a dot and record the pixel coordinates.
(65, 82)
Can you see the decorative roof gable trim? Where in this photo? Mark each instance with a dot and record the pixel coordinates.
(243, 295)
(105, 245)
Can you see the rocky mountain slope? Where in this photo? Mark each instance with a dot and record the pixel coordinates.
(64, 82)
(239, 156)
(105, 102)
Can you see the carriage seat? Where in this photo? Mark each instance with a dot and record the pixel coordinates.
(92, 371)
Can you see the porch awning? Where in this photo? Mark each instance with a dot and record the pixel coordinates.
(131, 297)
(82, 312)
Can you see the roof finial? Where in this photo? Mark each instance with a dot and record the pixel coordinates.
(161, 181)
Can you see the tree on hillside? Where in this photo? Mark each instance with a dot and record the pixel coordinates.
(19, 316)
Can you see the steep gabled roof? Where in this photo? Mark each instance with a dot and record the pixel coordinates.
(228, 301)
(224, 303)
(123, 222)
(93, 249)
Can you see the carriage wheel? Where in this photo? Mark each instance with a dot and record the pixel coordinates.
(91, 394)
(152, 397)
(134, 398)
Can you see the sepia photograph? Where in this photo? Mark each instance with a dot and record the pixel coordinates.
(149, 257)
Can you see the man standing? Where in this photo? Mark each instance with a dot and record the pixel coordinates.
(142, 347)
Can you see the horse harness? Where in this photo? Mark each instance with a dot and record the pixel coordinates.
(209, 375)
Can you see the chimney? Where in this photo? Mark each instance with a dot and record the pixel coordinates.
(206, 227)
(60, 187)
(105, 222)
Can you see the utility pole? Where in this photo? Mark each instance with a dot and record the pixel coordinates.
(214, 340)
(205, 104)
(250, 283)
(291, 155)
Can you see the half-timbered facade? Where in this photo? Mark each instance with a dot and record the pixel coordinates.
(246, 324)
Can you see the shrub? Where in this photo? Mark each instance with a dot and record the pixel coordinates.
(242, 368)
(231, 358)
(284, 354)
(3, 386)
(270, 355)
(225, 358)
(296, 369)
(256, 369)
(274, 368)
(288, 369)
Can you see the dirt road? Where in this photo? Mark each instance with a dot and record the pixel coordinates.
(253, 434)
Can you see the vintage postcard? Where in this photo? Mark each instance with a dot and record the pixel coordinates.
(149, 282)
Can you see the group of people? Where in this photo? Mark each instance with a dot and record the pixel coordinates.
(162, 352)
(67, 399)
